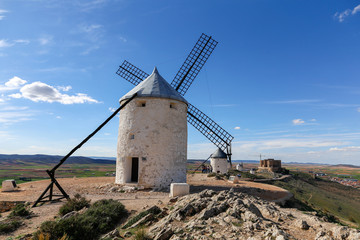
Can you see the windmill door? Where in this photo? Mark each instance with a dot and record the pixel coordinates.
(135, 169)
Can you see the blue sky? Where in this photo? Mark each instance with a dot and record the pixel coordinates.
(283, 80)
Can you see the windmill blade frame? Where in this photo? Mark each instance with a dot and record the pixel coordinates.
(131, 73)
(193, 63)
(209, 128)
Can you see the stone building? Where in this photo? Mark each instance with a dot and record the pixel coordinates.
(218, 162)
(8, 185)
(152, 140)
(270, 165)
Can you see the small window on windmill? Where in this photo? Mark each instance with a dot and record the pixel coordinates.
(132, 136)
(173, 105)
(143, 158)
(141, 104)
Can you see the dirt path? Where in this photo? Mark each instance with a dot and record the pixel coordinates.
(97, 188)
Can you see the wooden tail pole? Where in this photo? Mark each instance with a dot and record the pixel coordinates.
(51, 172)
(201, 164)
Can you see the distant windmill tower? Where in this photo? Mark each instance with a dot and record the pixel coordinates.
(153, 132)
(218, 161)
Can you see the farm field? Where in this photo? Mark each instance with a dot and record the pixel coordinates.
(24, 170)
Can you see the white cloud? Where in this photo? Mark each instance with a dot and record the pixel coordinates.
(297, 143)
(297, 101)
(90, 28)
(64, 88)
(345, 149)
(90, 5)
(15, 95)
(2, 11)
(313, 120)
(42, 92)
(23, 41)
(4, 43)
(58, 117)
(123, 39)
(92, 35)
(298, 121)
(237, 128)
(358, 109)
(45, 40)
(14, 116)
(342, 15)
(111, 109)
(12, 84)
(356, 10)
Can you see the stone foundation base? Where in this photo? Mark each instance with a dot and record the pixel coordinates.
(179, 189)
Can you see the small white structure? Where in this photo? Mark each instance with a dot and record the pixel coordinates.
(179, 189)
(240, 167)
(152, 141)
(218, 161)
(8, 186)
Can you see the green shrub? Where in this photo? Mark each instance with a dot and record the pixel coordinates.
(218, 177)
(9, 225)
(211, 174)
(141, 234)
(100, 218)
(20, 210)
(74, 204)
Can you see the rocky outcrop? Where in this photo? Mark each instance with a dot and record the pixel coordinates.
(231, 215)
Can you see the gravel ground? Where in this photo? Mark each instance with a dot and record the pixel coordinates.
(97, 188)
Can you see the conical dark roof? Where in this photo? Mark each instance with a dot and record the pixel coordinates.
(219, 154)
(155, 86)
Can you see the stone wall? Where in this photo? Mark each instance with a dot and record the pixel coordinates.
(155, 133)
(270, 165)
(219, 165)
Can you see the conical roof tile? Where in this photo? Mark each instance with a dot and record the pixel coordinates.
(154, 86)
(219, 154)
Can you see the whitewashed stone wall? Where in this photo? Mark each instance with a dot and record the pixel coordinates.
(157, 135)
(219, 165)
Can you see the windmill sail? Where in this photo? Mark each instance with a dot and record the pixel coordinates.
(131, 73)
(210, 129)
(193, 63)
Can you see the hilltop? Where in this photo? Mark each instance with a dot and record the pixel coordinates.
(42, 159)
(335, 201)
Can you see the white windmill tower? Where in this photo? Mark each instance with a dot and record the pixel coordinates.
(152, 142)
(153, 133)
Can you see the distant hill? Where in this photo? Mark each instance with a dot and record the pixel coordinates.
(346, 165)
(41, 159)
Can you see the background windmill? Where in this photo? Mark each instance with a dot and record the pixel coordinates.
(181, 83)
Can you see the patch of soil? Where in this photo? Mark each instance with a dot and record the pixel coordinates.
(93, 189)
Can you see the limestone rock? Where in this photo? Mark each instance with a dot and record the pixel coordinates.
(164, 234)
(232, 215)
(302, 224)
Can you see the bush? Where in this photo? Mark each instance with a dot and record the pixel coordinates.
(100, 218)
(141, 235)
(211, 174)
(74, 204)
(9, 225)
(20, 210)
